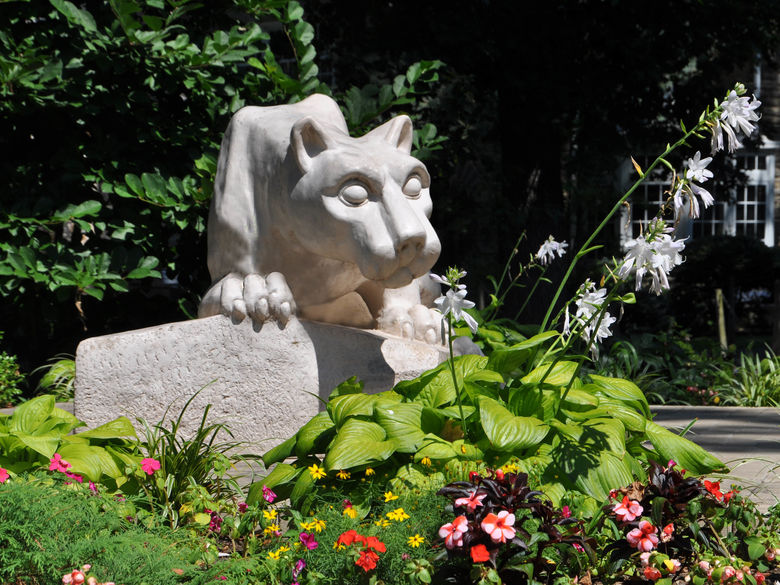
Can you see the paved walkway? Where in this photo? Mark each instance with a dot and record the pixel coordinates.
(745, 439)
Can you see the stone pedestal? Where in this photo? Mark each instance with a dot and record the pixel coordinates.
(264, 383)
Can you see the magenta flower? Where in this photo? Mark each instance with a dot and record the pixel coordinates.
(242, 507)
(566, 512)
(93, 487)
(3, 475)
(57, 463)
(453, 532)
(150, 465)
(472, 502)
(499, 527)
(299, 566)
(268, 495)
(75, 476)
(643, 538)
(627, 510)
(308, 540)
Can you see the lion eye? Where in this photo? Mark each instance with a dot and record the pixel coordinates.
(413, 187)
(354, 194)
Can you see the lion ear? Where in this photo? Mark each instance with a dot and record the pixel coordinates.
(397, 132)
(307, 139)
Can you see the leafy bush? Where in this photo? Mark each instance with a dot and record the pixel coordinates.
(11, 379)
(59, 378)
(755, 382)
(114, 113)
(38, 434)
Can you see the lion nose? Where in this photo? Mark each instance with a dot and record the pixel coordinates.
(409, 232)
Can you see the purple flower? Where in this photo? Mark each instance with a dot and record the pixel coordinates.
(299, 566)
(308, 540)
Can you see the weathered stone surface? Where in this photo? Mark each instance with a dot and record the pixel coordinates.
(264, 382)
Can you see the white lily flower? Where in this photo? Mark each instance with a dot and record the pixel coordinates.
(697, 168)
(549, 248)
(737, 115)
(655, 254)
(591, 300)
(454, 301)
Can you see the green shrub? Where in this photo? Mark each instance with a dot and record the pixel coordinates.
(11, 379)
(755, 382)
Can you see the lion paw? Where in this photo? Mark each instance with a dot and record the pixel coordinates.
(262, 298)
(416, 322)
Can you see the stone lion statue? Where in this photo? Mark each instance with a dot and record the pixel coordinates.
(307, 220)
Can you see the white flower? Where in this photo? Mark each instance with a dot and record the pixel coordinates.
(455, 302)
(549, 248)
(697, 168)
(655, 254)
(737, 115)
(591, 300)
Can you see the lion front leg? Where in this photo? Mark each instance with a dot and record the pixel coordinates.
(262, 298)
(405, 312)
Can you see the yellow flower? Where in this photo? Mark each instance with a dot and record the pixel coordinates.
(382, 523)
(338, 546)
(319, 525)
(271, 528)
(369, 471)
(351, 512)
(398, 514)
(274, 555)
(269, 514)
(343, 474)
(463, 449)
(425, 460)
(415, 541)
(316, 471)
(390, 496)
(308, 526)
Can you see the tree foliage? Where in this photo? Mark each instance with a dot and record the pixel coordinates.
(111, 115)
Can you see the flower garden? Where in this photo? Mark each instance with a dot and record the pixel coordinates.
(532, 460)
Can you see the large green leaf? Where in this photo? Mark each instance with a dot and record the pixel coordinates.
(526, 400)
(28, 415)
(507, 432)
(358, 442)
(89, 461)
(686, 453)
(309, 434)
(403, 423)
(281, 451)
(625, 413)
(45, 445)
(622, 390)
(116, 429)
(435, 447)
(560, 374)
(343, 407)
(281, 473)
(508, 361)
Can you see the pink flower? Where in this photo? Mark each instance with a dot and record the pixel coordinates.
(667, 533)
(75, 476)
(150, 465)
(57, 463)
(268, 495)
(705, 566)
(453, 532)
(3, 475)
(566, 512)
(499, 527)
(627, 510)
(728, 573)
(308, 540)
(769, 554)
(644, 558)
(93, 487)
(472, 502)
(643, 538)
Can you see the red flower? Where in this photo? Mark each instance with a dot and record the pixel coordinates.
(374, 543)
(714, 488)
(348, 538)
(367, 560)
(728, 495)
(652, 573)
(479, 554)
